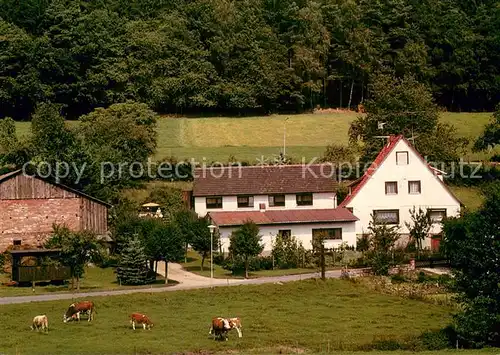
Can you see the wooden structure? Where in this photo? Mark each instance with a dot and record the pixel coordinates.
(39, 272)
(151, 209)
(30, 205)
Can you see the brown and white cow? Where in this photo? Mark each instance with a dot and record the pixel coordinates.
(221, 326)
(75, 309)
(40, 322)
(139, 318)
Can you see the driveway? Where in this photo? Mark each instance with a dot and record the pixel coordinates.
(187, 281)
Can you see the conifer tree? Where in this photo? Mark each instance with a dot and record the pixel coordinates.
(132, 269)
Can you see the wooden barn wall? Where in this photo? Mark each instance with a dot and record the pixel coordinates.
(94, 216)
(22, 187)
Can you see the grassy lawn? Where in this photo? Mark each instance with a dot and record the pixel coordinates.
(194, 265)
(309, 315)
(248, 138)
(471, 197)
(96, 279)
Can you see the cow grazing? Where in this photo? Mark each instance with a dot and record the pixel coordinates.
(221, 326)
(139, 318)
(40, 322)
(76, 309)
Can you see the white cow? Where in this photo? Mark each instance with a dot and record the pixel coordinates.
(40, 322)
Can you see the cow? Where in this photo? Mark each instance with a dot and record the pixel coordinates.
(40, 322)
(221, 326)
(139, 318)
(75, 309)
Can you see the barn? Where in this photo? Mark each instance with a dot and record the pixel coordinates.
(30, 205)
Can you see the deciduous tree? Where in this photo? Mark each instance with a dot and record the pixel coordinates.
(245, 242)
(471, 243)
(77, 250)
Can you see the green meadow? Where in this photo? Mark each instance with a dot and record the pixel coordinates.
(307, 316)
(249, 138)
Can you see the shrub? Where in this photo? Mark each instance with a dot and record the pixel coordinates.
(237, 264)
(219, 259)
(287, 252)
(109, 261)
(437, 340)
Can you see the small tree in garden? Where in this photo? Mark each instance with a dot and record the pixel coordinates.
(77, 250)
(245, 242)
(163, 241)
(383, 239)
(287, 252)
(419, 227)
(201, 239)
(133, 269)
(363, 243)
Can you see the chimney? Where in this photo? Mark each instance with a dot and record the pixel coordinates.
(262, 207)
(187, 198)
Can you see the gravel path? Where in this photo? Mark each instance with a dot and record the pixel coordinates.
(187, 281)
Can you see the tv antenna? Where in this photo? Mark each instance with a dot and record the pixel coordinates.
(383, 137)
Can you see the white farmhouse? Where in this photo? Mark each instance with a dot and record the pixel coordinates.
(297, 200)
(398, 180)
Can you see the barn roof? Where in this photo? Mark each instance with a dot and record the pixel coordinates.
(358, 184)
(10, 175)
(263, 180)
(268, 217)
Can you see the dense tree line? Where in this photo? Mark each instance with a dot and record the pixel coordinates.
(252, 55)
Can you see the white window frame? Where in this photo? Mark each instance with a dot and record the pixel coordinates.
(400, 161)
(442, 210)
(396, 222)
(419, 187)
(391, 183)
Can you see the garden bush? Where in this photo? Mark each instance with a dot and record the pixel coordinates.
(288, 253)
(237, 265)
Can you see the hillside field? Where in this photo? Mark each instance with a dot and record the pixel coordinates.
(338, 315)
(248, 138)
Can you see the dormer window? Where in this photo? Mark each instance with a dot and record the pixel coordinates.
(245, 201)
(402, 158)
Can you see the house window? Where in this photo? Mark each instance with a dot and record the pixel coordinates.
(401, 158)
(17, 242)
(386, 216)
(214, 202)
(327, 233)
(437, 215)
(391, 188)
(304, 199)
(245, 201)
(276, 200)
(285, 233)
(414, 187)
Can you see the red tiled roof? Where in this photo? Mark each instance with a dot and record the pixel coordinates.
(237, 218)
(382, 155)
(262, 180)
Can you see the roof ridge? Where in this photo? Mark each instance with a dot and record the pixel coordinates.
(263, 166)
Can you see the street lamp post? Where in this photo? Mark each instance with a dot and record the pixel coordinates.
(284, 137)
(212, 229)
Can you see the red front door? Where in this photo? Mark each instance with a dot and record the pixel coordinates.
(435, 241)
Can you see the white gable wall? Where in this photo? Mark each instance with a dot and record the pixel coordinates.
(321, 200)
(302, 232)
(372, 195)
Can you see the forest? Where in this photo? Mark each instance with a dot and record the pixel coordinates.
(241, 57)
